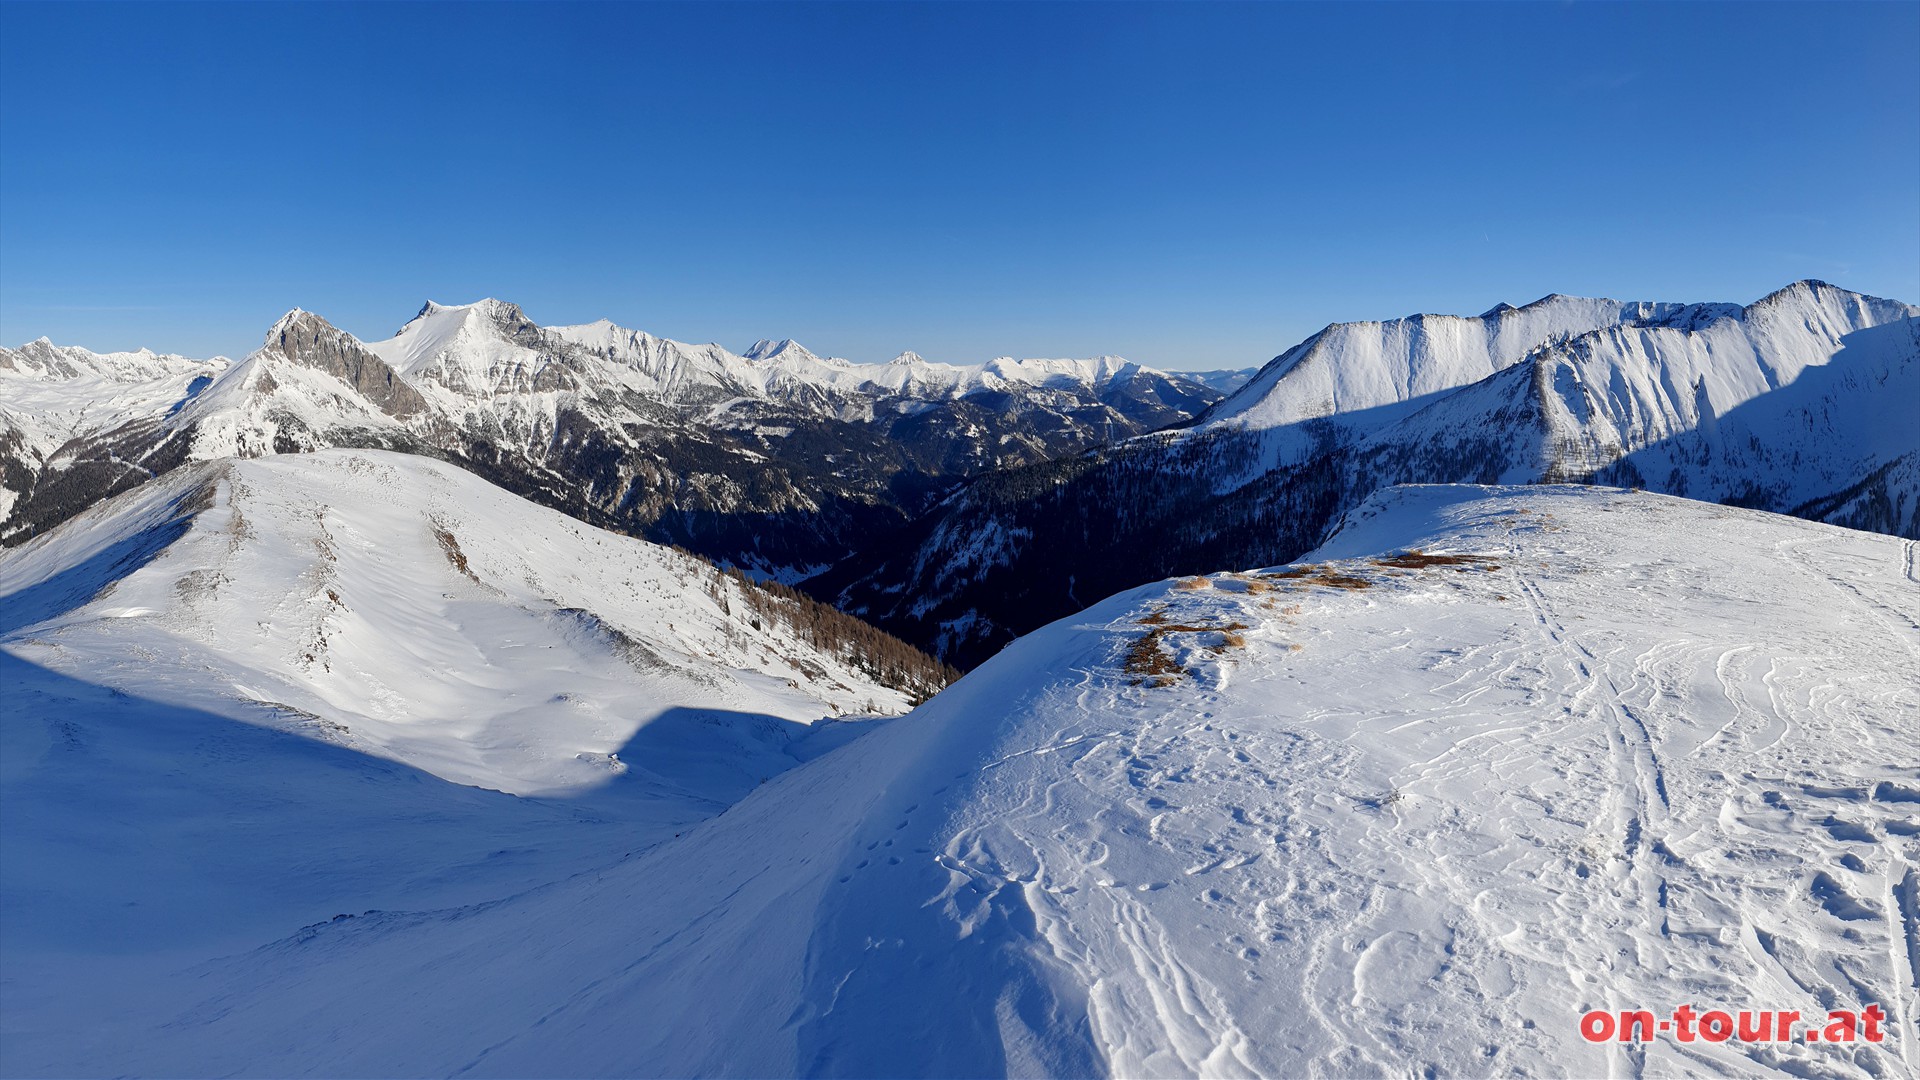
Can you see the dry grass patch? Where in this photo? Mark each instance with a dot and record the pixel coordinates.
(1420, 560)
(1242, 583)
(1229, 639)
(1149, 663)
(1322, 575)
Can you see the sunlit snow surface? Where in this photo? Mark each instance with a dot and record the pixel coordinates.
(1648, 753)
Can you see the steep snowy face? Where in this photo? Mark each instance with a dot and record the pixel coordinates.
(469, 356)
(404, 608)
(1490, 759)
(1790, 403)
(1640, 384)
(470, 348)
(1350, 367)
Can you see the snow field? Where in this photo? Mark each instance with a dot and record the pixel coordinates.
(1587, 749)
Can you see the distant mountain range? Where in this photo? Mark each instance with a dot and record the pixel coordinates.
(961, 506)
(778, 461)
(321, 754)
(1806, 402)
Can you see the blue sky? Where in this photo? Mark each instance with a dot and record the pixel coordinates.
(1188, 186)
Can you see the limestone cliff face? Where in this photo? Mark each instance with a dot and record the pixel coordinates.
(308, 339)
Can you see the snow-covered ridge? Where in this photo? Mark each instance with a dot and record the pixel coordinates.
(1349, 368)
(1798, 397)
(1489, 759)
(417, 612)
(474, 332)
(489, 348)
(42, 359)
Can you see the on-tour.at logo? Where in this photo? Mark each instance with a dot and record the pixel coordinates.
(1742, 1025)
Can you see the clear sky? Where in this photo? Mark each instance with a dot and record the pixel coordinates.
(1189, 185)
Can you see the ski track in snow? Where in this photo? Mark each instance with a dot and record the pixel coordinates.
(1629, 913)
(1556, 861)
(1652, 753)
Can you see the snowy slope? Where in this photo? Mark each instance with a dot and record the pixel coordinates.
(1653, 369)
(414, 611)
(260, 693)
(1407, 818)
(1793, 400)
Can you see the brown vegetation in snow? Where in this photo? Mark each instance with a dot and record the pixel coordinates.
(1322, 575)
(1420, 560)
(1148, 663)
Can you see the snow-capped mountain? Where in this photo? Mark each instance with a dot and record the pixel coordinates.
(947, 503)
(909, 373)
(778, 461)
(75, 425)
(1225, 380)
(1803, 402)
(1350, 367)
(1491, 759)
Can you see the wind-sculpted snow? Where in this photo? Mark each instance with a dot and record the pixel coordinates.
(1492, 758)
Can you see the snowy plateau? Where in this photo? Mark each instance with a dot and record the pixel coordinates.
(354, 726)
